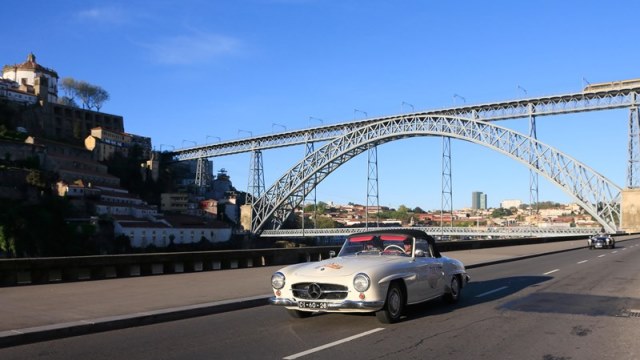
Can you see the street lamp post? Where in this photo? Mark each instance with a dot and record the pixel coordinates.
(215, 137)
(276, 124)
(245, 131)
(585, 82)
(523, 90)
(194, 143)
(459, 97)
(315, 118)
(359, 111)
(406, 103)
(172, 147)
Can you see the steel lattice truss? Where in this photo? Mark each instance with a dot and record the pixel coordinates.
(542, 106)
(446, 231)
(596, 194)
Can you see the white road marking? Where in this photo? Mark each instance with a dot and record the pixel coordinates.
(603, 255)
(492, 291)
(551, 272)
(316, 349)
(613, 252)
(582, 262)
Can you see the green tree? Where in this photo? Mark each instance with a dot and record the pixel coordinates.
(42, 229)
(7, 243)
(321, 207)
(91, 96)
(99, 97)
(500, 212)
(325, 222)
(35, 178)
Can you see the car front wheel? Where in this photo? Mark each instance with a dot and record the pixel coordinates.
(454, 294)
(393, 306)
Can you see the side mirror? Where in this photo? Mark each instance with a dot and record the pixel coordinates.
(332, 254)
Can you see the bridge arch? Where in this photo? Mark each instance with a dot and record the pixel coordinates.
(599, 196)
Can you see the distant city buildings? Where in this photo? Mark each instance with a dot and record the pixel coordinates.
(478, 200)
(508, 204)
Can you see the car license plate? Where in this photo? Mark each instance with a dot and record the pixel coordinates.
(312, 305)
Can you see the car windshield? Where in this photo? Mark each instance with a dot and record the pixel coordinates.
(377, 245)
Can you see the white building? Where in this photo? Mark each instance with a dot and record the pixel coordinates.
(160, 233)
(33, 78)
(508, 204)
(10, 90)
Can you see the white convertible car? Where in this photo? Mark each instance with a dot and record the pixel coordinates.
(378, 271)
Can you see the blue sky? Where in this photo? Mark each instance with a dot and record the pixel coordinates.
(194, 70)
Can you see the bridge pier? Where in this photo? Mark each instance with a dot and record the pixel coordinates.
(630, 210)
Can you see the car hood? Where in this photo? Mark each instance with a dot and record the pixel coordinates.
(345, 266)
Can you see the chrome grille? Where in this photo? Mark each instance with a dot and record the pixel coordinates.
(309, 291)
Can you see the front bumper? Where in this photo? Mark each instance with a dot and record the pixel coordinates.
(332, 305)
(600, 244)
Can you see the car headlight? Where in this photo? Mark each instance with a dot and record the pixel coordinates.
(361, 282)
(277, 280)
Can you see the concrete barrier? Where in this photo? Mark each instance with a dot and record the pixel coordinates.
(81, 268)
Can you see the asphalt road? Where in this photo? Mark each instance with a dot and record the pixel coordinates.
(581, 304)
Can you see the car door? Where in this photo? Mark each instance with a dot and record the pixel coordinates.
(436, 273)
(430, 272)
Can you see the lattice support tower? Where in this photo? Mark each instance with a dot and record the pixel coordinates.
(372, 183)
(256, 187)
(633, 171)
(310, 147)
(447, 189)
(533, 175)
(202, 175)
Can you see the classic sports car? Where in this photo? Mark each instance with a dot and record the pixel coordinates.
(378, 271)
(601, 241)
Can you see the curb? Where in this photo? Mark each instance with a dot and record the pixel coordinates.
(83, 327)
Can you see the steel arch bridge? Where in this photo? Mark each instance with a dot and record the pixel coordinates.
(595, 193)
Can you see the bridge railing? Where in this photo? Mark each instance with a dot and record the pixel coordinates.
(78, 268)
(499, 232)
(81, 268)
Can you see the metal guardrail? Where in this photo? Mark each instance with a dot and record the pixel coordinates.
(500, 232)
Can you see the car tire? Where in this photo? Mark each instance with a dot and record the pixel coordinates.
(453, 295)
(393, 305)
(298, 314)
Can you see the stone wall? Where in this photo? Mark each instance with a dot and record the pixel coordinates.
(630, 210)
